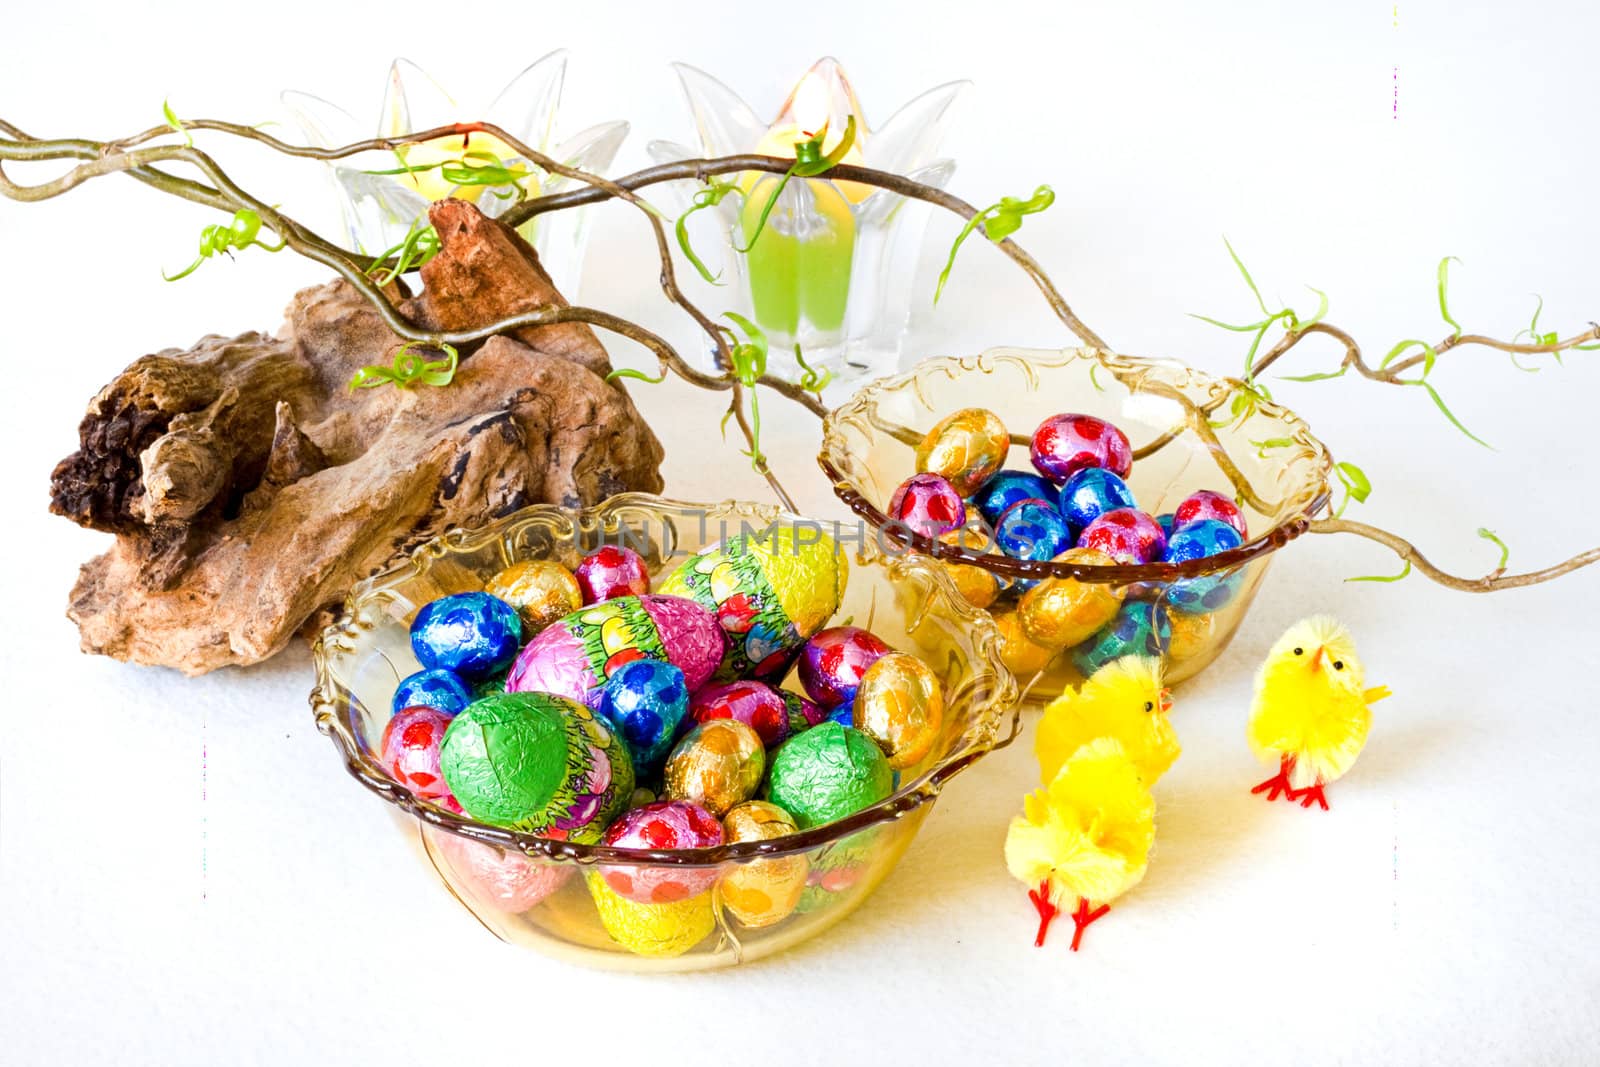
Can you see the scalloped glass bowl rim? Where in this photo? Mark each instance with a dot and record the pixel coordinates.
(862, 407)
(326, 706)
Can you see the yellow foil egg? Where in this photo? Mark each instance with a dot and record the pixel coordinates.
(965, 447)
(1191, 635)
(900, 705)
(979, 587)
(541, 590)
(1064, 611)
(765, 891)
(1020, 655)
(659, 930)
(717, 765)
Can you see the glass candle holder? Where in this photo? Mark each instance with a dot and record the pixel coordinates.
(384, 199)
(830, 269)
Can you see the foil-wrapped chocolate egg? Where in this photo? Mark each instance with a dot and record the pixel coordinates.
(717, 765)
(660, 931)
(803, 713)
(1168, 522)
(768, 590)
(410, 748)
(927, 504)
(900, 705)
(1191, 635)
(844, 714)
(541, 590)
(965, 448)
(1032, 529)
(1141, 628)
(1127, 535)
(1091, 493)
(646, 702)
(538, 763)
(1063, 445)
(473, 634)
(496, 878)
(1058, 612)
(827, 773)
(834, 660)
(434, 689)
(762, 892)
(978, 586)
(575, 656)
(1208, 505)
(1018, 652)
(666, 824)
(1208, 592)
(493, 685)
(756, 704)
(1005, 488)
(611, 571)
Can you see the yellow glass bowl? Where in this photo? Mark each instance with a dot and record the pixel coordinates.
(537, 892)
(1186, 434)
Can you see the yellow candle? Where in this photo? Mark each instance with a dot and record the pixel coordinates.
(431, 183)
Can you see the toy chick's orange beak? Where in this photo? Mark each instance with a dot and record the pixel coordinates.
(1316, 659)
(1166, 699)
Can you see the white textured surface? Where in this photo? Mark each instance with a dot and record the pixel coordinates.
(258, 907)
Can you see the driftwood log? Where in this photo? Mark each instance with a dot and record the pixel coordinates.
(248, 487)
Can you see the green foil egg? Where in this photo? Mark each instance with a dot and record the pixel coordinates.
(828, 772)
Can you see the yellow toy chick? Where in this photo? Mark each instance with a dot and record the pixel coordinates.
(1123, 700)
(1311, 710)
(1087, 835)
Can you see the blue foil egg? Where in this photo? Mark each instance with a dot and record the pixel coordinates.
(1141, 628)
(1209, 592)
(1032, 530)
(646, 701)
(1091, 493)
(1005, 488)
(1168, 522)
(844, 714)
(432, 689)
(473, 634)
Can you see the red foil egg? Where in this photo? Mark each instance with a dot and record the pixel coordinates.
(666, 824)
(410, 748)
(1063, 445)
(496, 878)
(1127, 535)
(833, 661)
(1208, 505)
(611, 571)
(755, 704)
(929, 505)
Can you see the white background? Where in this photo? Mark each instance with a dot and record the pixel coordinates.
(259, 907)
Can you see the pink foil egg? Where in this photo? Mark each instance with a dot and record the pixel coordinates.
(1127, 535)
(666, 824)
(755, 704)
(1208, 505)
(928, 504)
(1063, 445)
(833, 661)
(611, 571)
(498, 878)
(410, 748)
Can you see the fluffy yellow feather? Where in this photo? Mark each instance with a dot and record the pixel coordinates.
(1123, 700)
(1311, 710)
(1086, 836)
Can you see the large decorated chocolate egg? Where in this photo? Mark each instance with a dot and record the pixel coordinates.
(827, 773)
(1208, 505)
(497, 878)
(611, 571)
(965, 448)
(434, 689)
(928, 505)
(541, 590)
(762, 892)
(646, 702)
(900, 705)
(717, 765)
(1058, 612)
(1141, 628)
(833, 661)
(1091, 493)
(656, 930)
(756, 704)
(1127, 535)
(410, 748)
(538, 763)
(1032, 529)
(473, 634)
(1063, 445)
(1006, 488)
(664, 825)
(803, 713)
(1208, 592)
(769, 591)
(575, 656)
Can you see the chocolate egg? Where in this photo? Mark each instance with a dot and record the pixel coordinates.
(978, 586)
(1208, 592)
(1032, 529)
(965, 448)
(501, 879)
(1168, 522)
(473, 634)
(1141, 628)
(844, 714)
(1091, 493)
(1191, 635)
(611, 571)
(1008, 487)
(538, 763)
(664, 825)
(1018, 652)
(717, 765)
(762, 892)
(1208, 505)
(900, 705)
(434, 689)
(1058, 612)
(541, 590)
(803, 714)
(769, 591)
(575, 656)
(928, 505)
(410, 748)
(657, 930)
(827, 773)
(1063, 445)
(756, 704)
(833, 662)
(1127, 535)
(646, 702)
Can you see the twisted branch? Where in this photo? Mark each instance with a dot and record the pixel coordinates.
(1495, 579)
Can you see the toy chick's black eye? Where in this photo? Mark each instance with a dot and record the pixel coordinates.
(1338, 664)
(1149, 706)
(1299, 651)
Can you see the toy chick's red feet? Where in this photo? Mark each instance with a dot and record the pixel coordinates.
(1279, 783)
(1310, 795)
(1047, 911)
(1082, 918)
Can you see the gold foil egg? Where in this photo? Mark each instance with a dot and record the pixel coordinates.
(541, 590)
(659, 930)
(900, 705)
(1019, 654)
(965, 448)
(762, 892)
(717, 765)
(979, 587)
(1058, 612)
(1191, 634)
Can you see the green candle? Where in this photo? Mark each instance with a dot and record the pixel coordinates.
(799, 263)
